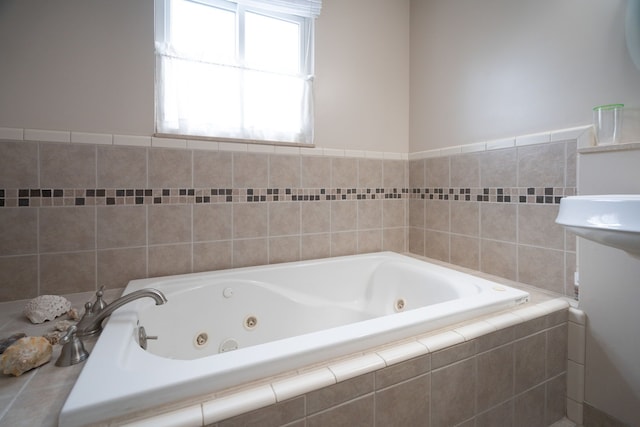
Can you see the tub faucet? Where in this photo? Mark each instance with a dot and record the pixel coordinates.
(91, 322)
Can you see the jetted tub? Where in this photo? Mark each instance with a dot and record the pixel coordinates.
(221, 329)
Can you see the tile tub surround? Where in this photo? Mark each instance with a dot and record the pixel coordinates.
(72, 210)
(387, 377)
(494, 211)
(75, 216)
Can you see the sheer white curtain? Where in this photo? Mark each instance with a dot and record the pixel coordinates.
(235, 79)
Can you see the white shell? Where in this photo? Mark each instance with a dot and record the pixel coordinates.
(46, 307)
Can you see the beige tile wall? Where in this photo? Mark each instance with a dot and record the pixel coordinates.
(61, 233)
(514, 376)
(507, 227)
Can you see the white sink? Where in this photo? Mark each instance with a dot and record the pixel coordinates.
(612, 220)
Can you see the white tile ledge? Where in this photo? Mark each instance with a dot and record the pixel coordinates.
(161, 141)
(262, 395)
(510, 142)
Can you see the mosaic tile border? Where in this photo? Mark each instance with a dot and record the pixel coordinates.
(36, 197)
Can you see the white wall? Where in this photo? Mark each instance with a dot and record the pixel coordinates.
(88, 65)
(483, 70)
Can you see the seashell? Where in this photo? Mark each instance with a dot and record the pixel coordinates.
(46, 307)
(54, 336)
(6, 342)
(73, 314)
(63, 325)
(25, 354)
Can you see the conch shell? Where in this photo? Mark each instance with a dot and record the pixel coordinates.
(46, 307)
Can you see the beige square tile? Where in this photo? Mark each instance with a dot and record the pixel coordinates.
(315, 246)
(465, 171)
(344, 215)
(499, 416)
(19, 231)
(498, 221)
(344, 172)
(417, 213)
(284, 218)
(67, 229)
(453, 393)
(338, 393)
(417, 175)
(316, 217)
(121, 226)
(209, 256)
(169, 224)
(556, 393)
(358, 412)
(465, 218)
(557, 350)
(67, 273)
(250, 252)
(284, 249)
(416, 241)
(498, 258)
(369, 241)
(437, 172)
(495, 377)
(529, 362)
(167, 260)
(250, 170)
(529, 408)
(344, 243)
(571, 166)
(369, 173)
(436, 245)
(212, 221)
(437, 215)
(537, 226)
(67, 166)
(394, 239)
(116, 267)
(405, 404)
(18, 277)
(393, 213)
(369, 214)
(541, 165)
(465, 251)
(455, 353)
(271, 416)
(122, 167)
(394, 174)
(284, 171)
(170, 168)
(541, 267)
(18, 164)
(403, 371)
(315, 172)
(212, 169)
(250, 220)
(498, 168)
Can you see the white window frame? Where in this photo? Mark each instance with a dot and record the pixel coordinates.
(240, 7)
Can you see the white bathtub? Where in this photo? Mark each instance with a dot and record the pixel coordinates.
(221, 329)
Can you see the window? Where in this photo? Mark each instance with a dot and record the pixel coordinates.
(239, 70)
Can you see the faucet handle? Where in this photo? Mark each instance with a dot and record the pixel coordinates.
(100, 303)
(73, 350)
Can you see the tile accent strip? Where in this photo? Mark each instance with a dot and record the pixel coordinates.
(35, 197)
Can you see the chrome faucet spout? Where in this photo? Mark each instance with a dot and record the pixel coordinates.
(91, 323)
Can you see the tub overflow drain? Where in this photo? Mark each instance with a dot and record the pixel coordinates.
(400, 304)
(250, 322)
(201, 339)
